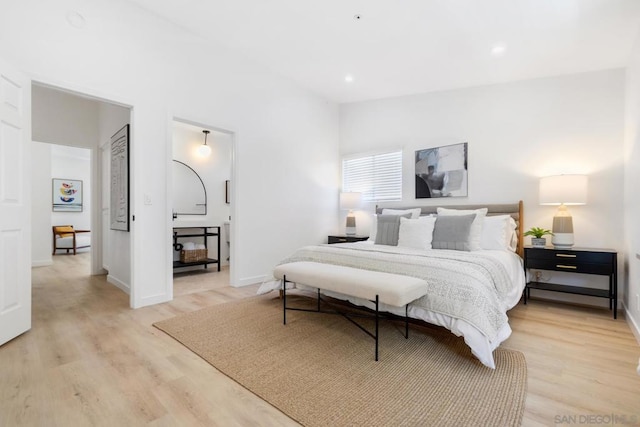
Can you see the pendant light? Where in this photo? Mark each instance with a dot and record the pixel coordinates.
(204, 150)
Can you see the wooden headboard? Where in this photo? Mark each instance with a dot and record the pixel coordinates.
(516, 211)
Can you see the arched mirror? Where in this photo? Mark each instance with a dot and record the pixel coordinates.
(189, 194)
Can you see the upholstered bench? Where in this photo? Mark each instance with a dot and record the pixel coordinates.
(378, 287)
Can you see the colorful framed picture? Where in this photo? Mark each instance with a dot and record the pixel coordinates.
(67, 195)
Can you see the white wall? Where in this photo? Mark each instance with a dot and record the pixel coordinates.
(517, 133)
(213, 171)
(63, 118)
(632, 199)
(41, 234)
(56, 161)
(115, 245)
(73, 163)
(287, 138)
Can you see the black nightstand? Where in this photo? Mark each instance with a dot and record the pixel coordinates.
(346, 239)
(575, 260)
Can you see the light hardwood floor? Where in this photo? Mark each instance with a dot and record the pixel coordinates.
(91, 360)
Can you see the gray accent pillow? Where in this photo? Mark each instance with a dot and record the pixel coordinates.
(453, 232)
(388, 229)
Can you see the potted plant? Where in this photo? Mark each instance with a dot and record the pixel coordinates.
(536, 233)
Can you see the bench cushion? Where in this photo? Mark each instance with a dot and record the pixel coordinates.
(392, 289)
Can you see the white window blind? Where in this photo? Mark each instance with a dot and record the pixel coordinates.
(378, 177)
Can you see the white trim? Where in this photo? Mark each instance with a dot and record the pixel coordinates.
(635, 328)
(372, 153)
(246, 281)
(42, 263)
(119, 284)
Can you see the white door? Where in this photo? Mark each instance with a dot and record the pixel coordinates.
(15, 211)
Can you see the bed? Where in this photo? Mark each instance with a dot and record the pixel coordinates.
(472, 282)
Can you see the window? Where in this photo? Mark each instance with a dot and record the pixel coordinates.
(378, 177)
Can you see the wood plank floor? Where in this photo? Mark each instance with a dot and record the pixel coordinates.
(91, 360)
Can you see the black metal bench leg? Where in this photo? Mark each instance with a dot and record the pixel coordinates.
(406, 321)
(284, 300)
(377, 327)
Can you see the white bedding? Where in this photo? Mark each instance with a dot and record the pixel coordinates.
(481, 343)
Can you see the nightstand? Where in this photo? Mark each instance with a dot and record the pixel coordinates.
(346, 239)
(575, 260)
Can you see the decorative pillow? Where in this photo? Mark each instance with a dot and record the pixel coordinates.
(513, 240)
(476, 228)
(388, 228)
(415, 212)
(496, 232)
(453, 232)
(373, 229)
(416, 233)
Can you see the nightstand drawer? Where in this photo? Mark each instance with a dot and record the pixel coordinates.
(570, 265)
(569, 256)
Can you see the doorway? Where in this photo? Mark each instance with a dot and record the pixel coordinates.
(212, 170)
(81, 123)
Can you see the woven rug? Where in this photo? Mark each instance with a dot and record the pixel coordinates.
(319, 369)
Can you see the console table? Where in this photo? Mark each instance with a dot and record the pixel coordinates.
(205, 233)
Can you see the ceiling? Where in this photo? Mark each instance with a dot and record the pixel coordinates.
(401, 47)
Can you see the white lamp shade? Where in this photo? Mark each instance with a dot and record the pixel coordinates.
(350, 200)
(563, 190)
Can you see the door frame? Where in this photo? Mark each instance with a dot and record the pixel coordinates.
(233, 134)
(96, 172)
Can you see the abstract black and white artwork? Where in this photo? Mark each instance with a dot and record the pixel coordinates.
(120, 180)
(441, 171)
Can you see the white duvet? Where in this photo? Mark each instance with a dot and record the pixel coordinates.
(494, 278)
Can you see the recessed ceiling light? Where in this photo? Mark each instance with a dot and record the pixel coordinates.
(498, 49)
(348, 78)
(357, 17)
(76, 20)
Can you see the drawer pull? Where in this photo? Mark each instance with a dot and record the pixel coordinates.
(566, 255)
(342, 240)
(571, 267)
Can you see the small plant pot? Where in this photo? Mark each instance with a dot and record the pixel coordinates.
(538, 243)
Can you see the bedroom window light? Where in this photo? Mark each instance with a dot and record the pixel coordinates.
(378, 177)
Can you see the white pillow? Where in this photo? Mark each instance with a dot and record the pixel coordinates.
(415, 212)
(373, 230)
(496, 232)
(416, 233)
(513, 240)
(476, 226)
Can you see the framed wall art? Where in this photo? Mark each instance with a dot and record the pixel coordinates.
(66, 195)
(441, 171)
(119, 209)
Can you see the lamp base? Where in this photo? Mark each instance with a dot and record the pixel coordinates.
(562, 240)
(350, 228)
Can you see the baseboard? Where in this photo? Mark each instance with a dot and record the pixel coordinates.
(635, 328)
(118, 284)
(43, 263)
(249, 281)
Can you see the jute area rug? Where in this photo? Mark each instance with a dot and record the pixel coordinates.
(319, 369)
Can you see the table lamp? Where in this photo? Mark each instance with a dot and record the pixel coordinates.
(563, 190)
(350, 201)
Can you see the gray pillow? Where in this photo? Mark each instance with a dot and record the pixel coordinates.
(388, 228)
(453, 232)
